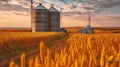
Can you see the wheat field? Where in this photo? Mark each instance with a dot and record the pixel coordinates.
(12, 44)
(81, 50)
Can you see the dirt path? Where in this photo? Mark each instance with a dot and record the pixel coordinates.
(5, 63)
(60, 43)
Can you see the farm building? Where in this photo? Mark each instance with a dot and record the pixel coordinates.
(87, 30)
(45, 20)
(40, 18)
(54, 19)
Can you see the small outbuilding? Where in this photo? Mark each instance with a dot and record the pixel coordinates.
(87, 30)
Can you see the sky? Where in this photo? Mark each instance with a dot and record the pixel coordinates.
(104, 13)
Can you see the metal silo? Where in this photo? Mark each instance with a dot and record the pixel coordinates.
(54, 19)
(40, 19)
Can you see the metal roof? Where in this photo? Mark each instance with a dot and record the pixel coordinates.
(40, 6)
(53, 9)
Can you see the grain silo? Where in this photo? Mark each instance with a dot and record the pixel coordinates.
(54, 19)
(40, 19)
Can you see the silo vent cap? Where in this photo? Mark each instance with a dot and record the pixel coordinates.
(40, 6)
(52, 5)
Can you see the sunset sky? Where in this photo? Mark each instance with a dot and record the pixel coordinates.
(105, 13)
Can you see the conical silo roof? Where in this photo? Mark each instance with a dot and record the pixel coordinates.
(53, 9)
(40, 6)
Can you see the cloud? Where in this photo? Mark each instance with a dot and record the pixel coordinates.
(83, 6)
(9, 7)
(71, 13)
(108, 3)
(114, 17)
(20, 6)
(4, 0)
(79, 6)
(90, 6)
(24, 2)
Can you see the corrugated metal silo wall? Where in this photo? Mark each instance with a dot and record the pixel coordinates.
(41, 22)
(54, 19)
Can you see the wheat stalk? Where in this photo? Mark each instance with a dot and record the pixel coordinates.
(31, 63)
(42, 51)
(12, 64)
(23, 60)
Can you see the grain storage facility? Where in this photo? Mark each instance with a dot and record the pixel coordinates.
(40, 19)
(54, 19)
(44, 20)
(87, 30)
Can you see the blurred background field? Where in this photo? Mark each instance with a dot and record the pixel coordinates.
(69, 29)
